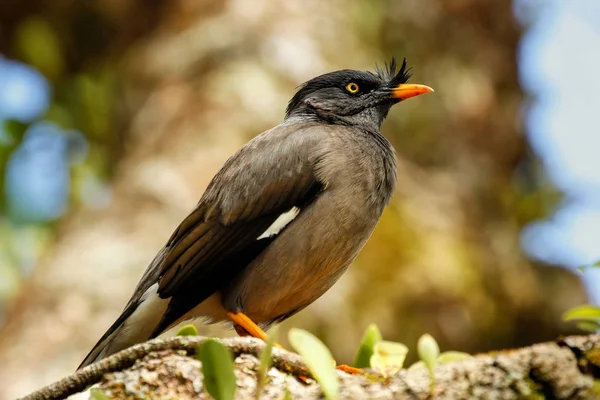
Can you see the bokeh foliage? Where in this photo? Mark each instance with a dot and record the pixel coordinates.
(70, 108)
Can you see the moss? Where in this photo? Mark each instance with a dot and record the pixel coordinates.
(534, 390)
(590, 362)
(593, 357)
(595, 388)
(374, 378)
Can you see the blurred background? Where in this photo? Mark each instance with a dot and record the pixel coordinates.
(114, 115)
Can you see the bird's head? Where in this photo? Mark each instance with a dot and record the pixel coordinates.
(352, 97)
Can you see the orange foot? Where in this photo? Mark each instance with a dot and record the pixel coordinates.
(248, 327)
(348, 369)
(244, 326)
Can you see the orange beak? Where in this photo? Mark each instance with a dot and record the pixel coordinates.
(406, 91)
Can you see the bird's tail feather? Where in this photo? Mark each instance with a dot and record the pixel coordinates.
(135, 325)
(138, 317)
(99, 351)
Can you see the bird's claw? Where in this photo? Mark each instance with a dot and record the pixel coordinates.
(348, 369)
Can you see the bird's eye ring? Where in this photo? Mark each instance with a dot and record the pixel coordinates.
(352, 87)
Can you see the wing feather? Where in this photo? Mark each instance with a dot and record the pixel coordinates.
(267, 177)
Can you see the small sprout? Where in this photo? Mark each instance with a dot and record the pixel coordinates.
(585, 313)
(97, 394)
(445, 357)
(266, 360)
(589, 326)
(371, 337)
(429, 351)
(388, 357)
(217, 367)
(452, 356)
(318, 360)
(188, 330)
(588, 317)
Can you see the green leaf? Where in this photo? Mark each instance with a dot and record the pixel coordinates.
(217, 367)
(266, 360)
(318, 360)
(451, 356)
(429, 352)
(388, 357)
(187, 330)
(97, 394)
(371, 337)
(585, 312)
(589, 326)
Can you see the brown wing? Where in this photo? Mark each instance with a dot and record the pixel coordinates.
(267, 177)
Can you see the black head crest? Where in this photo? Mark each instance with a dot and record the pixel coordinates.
(388, 73)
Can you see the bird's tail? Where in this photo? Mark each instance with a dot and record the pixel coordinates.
(107, 342)
(136, 324)
(98, 352)
(138, 320)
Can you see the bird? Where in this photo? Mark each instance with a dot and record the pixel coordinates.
(282, 220)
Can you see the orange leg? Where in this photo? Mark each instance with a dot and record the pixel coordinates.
(244, 326)
(247, 325)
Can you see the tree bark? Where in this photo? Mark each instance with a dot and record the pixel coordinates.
(163, 369)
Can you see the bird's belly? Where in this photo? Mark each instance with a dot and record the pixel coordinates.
(302, 263)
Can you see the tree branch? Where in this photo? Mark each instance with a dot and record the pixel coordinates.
(564, 369)
(78, 381)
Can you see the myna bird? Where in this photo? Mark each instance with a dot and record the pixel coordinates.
(283, 218)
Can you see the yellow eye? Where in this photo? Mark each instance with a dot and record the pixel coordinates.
(352, 87)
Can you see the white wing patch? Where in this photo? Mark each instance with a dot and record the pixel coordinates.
(146, 316)
(281, 222)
